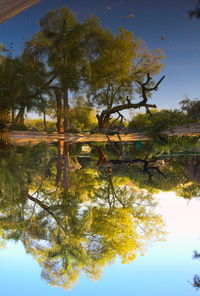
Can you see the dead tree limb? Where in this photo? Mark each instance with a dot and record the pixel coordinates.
(105, 115)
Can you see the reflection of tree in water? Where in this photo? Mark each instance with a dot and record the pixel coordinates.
(80, 230)
(147, 166)
(196, 278)
(79, 220)
(193, 168)
(150, 170)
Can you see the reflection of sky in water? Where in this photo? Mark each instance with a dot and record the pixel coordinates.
(164, 270)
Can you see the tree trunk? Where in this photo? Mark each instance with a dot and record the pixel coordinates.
(66, 111)
(44, 120)
(103, 121)
(102, 157)
(63, 162)
(59, 162)
(59, 110)
(19, 119)
(12, 115)
(66, 166)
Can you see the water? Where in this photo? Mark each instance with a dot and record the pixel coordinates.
(81, 208)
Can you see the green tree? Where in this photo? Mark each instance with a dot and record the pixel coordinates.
(82, 115)
(61, 45)
(192, 107)
(21, 86)
(118, 73)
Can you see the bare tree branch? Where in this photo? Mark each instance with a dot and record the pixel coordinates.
(104, 117)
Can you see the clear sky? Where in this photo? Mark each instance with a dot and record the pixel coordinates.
(163, 271)
(152, 19)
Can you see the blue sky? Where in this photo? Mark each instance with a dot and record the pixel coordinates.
(165, 269)
(152, 19)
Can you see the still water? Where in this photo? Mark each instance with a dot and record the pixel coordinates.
(102, 211)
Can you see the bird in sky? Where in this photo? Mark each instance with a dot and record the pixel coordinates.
(131, 15)
(162, 38)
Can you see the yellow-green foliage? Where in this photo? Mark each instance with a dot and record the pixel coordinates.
(82, 117)
(39, 124)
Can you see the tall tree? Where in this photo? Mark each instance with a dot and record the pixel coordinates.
(118, 74)
(21, 86)
(60, 45)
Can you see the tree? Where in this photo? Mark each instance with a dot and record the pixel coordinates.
(195, 12)
(21, 86)
(192, 107)
(82, 115)
(148, 169)
(163, 130)
(60, 45)
(85, 57)
(120, 70)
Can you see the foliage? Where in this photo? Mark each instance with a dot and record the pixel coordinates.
(4, 133)
(160, 121)
(39, 125)
(82, 116)
(20, 86)
(120, 61)
(192, 107)
(177, 178)
(77, 232)
(18, 127)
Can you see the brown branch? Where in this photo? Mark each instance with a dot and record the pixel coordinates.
(45, 208)
(104, 117)
(155, 88)
(148, 111)
(112, 123)
(124, 107)
(112, 145)
(148, 79)
(158, 170)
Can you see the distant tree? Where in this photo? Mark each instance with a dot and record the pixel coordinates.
(192, 107)
(157, 124)
(82, 115)
(21, 86)
(196, 278)
(195, 12)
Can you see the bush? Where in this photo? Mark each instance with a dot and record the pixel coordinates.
(39, 125)
(18, 127)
